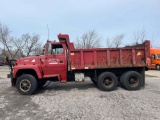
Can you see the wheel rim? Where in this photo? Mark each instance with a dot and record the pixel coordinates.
(25, 85)
(108, 82)
(133, 81)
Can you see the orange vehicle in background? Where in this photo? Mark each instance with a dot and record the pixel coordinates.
(155, 58)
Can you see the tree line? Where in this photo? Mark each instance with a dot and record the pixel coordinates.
(92, 39)
(27, 44)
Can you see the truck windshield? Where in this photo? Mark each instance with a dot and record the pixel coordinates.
(158, 56)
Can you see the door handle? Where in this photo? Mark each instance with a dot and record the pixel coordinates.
(61, 61)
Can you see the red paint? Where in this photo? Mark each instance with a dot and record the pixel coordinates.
(56, 65)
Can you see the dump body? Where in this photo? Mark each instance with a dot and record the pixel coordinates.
(155, 58)
(100, 58)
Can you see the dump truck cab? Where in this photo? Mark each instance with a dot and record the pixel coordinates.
(52, 64)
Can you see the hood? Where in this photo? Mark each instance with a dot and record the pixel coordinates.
(28, 60)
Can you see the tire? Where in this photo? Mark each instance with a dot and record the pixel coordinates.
(107, 81)
(122, 79)
(26, 84)
(157, 67)
(132, 80)
(41, 84)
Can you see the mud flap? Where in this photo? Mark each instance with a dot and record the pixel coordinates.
(13, 80)
(143, 76)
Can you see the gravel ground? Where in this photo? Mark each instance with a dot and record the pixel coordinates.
(60, 101)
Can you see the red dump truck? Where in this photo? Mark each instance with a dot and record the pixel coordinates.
(62, 62)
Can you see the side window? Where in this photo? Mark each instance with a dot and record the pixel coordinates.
(153, 56)
(158, 56)
(57, 49)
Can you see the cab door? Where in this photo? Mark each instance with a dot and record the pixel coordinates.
(55, 62)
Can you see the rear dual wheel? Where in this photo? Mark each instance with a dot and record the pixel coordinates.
(131, 80)
(107, 81)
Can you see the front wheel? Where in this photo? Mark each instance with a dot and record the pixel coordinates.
(107, 81)
(26, 84)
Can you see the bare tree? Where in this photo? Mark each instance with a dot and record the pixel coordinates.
(1, 51)
(139, 36)
(118, 40)
(115, 42)
(109, 43)
(142, 35)
(27, 45)
(89, 39)
(38, 49)
(136, 37)
(19, 47)
(5, 38)
(31, 43)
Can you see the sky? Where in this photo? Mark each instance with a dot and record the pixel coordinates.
(75, 17)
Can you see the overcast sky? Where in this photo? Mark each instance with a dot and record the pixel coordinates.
(74, 17)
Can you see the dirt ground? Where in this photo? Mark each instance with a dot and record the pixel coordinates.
(82, 101)
(154, 73)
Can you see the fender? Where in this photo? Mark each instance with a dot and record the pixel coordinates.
(36, 68)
